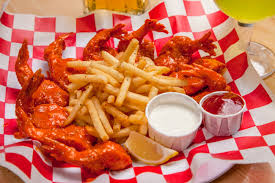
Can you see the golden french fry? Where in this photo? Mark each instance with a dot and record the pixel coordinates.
(69, 108)
(109, 58)
(137, 118)
(95, 64)
(163, 70)
(120, 116)
(110, 79)
(75, 64)
(109, 70)
(79, 122)
(75, 86)
(122, 133)
(129, 50)
(138, 81)
(102, 96)
(123, 91)
(72, 95)
(83, 110)
(125, 109)
(81, 101)
(73, 101)
(148, 61)
(127, 80)
(159, 69)
(102, 116)
(134, 127)
(166, 77)
(119, 55)
(135, 98)
(150, 68)
(134, 106)
(133, 56)
(116, 126)
(125, 131)
(91, 130)
(141, 64)
(170, 89)
(178, 89)
(153, 92)
(111, 99)
(129, 67)
(144, 89)
(78, 93)
(75, 78)
(162, 88)
(96, 120)
(166, 87)
(85, 118)
(143, 129)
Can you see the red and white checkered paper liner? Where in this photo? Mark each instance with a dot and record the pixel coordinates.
(255, 142)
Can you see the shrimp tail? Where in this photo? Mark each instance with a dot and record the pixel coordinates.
(206, 44)
(22, 69)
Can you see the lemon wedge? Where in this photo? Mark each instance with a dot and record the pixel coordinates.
(147, 150)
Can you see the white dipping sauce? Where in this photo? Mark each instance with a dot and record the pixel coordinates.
(174, 119)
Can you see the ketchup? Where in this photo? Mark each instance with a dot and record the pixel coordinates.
(223, 104)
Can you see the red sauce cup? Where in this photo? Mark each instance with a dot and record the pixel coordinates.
(222, 125)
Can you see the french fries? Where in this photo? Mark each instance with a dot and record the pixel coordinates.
(130, 96)
(137, 118)
(141, 64)
(109, 58)
(123, 91)
(127, 80)
(144, 89)
(117, 114)
(111, 97)
(91, 130)
(116, 126)
(130, 49)
(138, 81)
(145, 75)
(75, 86)
(125, 132)
(137, 107)
(143, 129)
(102, 116)
(77, 106)
(159, 69)
(148, 61)
(153, 92)
(74, 78)
(109, 70)
(110, 79)
(96, 120)
(122, 133)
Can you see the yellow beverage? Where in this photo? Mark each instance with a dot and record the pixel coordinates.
(247, 11)
(126, 6)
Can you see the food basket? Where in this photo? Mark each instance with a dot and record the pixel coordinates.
(253, 143)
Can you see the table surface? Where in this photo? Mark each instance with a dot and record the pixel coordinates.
(263, 32)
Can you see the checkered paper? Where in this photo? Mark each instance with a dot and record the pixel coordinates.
(255, 141)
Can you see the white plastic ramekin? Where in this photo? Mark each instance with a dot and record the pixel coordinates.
(176, 142)
(222, 125)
